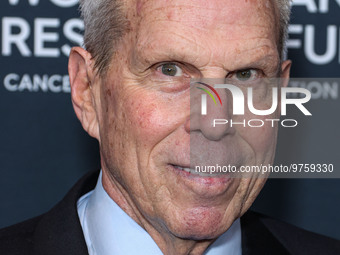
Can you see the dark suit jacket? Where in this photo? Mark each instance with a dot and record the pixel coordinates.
(58, 232)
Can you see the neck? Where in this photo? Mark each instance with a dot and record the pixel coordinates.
(165, 240)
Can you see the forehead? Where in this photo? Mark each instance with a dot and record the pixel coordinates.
(187, 27)
(207, 14)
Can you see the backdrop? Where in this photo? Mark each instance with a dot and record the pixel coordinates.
(43, 149)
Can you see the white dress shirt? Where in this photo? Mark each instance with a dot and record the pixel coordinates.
(108, 230)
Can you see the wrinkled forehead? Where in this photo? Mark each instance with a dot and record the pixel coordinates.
(209, 14)
(201, 32)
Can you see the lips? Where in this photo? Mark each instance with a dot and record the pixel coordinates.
(199, 173)
(194, 176)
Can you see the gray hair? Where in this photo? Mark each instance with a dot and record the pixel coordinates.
(105, 24)
(284, 7)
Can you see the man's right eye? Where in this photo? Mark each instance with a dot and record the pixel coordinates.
(171, 69)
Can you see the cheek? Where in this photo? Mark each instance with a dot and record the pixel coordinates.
(262, 140)
(151, 118)
(146, 118)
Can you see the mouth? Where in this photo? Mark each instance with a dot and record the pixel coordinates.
(199, 176)
(203, 173)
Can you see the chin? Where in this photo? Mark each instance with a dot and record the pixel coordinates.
(199, 224)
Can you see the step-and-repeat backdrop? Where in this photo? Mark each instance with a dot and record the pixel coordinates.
(43, 149)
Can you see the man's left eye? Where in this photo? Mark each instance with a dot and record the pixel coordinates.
(171, 69)
(246, 75)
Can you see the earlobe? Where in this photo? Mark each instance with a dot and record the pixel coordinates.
(83, 97)
(285, 72)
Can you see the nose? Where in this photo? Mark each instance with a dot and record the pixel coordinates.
(210, 109)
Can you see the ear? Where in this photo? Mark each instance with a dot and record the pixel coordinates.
(83, 95)
(285, 72)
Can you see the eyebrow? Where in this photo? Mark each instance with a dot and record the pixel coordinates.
(264, 62)
(166, 53)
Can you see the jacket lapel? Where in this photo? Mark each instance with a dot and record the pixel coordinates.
(257, 239)
(59, 231)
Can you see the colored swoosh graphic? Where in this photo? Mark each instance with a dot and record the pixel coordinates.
(211, 88)
(206, 91)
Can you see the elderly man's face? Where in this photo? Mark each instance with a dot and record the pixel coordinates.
(143, 111)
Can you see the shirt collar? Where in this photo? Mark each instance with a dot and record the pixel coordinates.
(109, 230)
